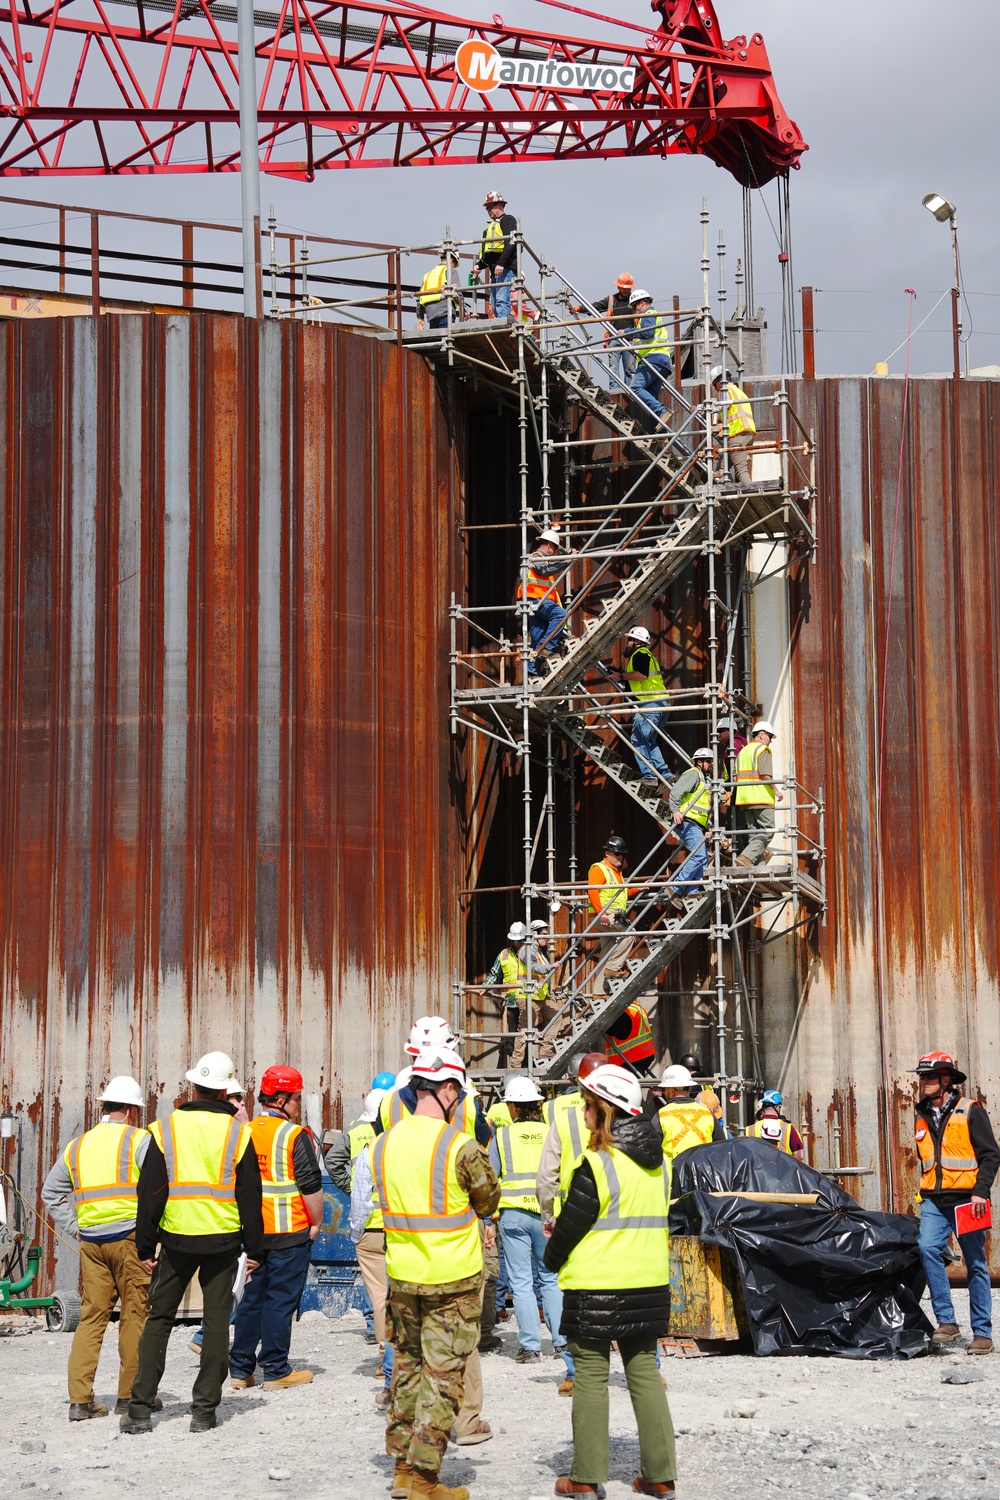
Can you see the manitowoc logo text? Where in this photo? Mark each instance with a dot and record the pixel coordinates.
(480, 67)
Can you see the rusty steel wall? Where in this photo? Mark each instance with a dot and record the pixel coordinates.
(226, 556)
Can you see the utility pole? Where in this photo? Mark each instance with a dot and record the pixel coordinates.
(249, 159)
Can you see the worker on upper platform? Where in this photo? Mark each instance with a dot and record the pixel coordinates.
(651, 347)
(621, 315)
(690, 804)
(436, 291)
(685, 1121)
(498, 252)
(756, 794)
(526, 949)
(644, 676)
(735, 419)
(545, 622)
(609, 896)
(771, 1125)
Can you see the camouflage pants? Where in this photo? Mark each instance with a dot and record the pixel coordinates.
(432, 1335)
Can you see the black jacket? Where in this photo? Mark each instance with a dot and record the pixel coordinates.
(508, 253)
(153, 1191)
(627, 1312)
(983, 1144)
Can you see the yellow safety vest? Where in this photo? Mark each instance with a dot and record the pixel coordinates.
(628, 1245)
(696, 805)
(492, 242)
(104, 1171)
(750, 790)
(653, 686)
(433, 286)
(392, 1110)
(498, 1114)
(565, 1112)
(202, 1150)
(520, 1148)
(738, 412)
(657, 342)
(431, 1228)
(685, 1123)
(359, 1135)
(613, 894)
(776, 1132)
(514, 970)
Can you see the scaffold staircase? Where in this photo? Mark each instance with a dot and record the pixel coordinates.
(609, 757)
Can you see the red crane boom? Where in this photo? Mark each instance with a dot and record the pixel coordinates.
(113, 87)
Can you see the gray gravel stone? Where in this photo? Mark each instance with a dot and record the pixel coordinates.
(32, 1445)
(963, 1375)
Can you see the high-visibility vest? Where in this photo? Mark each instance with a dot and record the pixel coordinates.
(775, 1131)
(492, 242)
(431, 1228)
(613, 894)
(202, 1150)
(520, 1147)
(514, 970)
(751, 791)
(104, 1171)
(540, 586)
(685, 1123)
(653, 686)
(359, 1135)
(738, 411)
(565, 1112)
(274, 1140)
(950, 1162)
(697, 804)
(628, 1246)
(639, 1042)
(655, 342)
(499, 1114)
(434, 285)
(392, 1110)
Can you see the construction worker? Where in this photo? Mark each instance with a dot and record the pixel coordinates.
(545, 622)
(958, 1160)
(731, 742)
(90, 1195)
(431, 1031)
(199, 1198)
(236, 1096)
(515, 1156)
(651, 346)
(436, 292)
(629, 1040)
(684, 1120)
(690, 803)
(756, 793)
(735, 417)
(706, 1095)
(565, 1140)
(432, 1181)
(619, 313)
(498, 253)
(293, 1216)
(770, 1125)
(510, 969)
(644, 676)
(609, 897)
(368, 1233)
(347, 1143)
(611, 1248)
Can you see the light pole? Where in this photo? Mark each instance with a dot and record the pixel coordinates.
(942, 209)
(249, 156)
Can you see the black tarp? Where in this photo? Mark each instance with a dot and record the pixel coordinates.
(831, 1279)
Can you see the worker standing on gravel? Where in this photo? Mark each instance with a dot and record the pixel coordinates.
(367, 1233)
(293, 1215)
(343, 1149)
(432, 1182)
(770, 1125)
(431, 1031)
(565, 1138)
(959, 1159)
(91, 1196)
(685, 1120)
(610, 1246)
(756, 793)
(200, 1199)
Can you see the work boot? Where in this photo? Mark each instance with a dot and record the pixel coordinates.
(121, 1405)
(980, 1345)
(429, 1487)
(134, 1425)
(946, 1333)
(370, 1338)
(567, 1486)
(653, 1486)
(401, 1480)
(294, 1377)
(492, 1346)
(241, 1382)
(204, 1424)
(565, 1387)
(527, 1356)
(82, 1411)
(747, 864)
(383, 1398)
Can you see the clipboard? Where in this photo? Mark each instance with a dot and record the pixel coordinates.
(966, 1224)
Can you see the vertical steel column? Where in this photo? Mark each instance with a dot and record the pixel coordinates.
(524, 396)
(249, 158)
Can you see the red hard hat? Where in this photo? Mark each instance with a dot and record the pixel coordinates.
(588, 1063)
(938, 1062)
(281, 1079)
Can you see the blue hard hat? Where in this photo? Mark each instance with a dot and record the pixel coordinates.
(771, 1096)
(383, 1080)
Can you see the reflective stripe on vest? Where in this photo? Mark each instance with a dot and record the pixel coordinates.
(738, 412)
(433, 284)
(613, 894)
(948, 1164)
(103, 1170)
(750, 790)
(492, 242)
(685, 1123)
(358, 1137)
(540, 586)
(413, 1168)
(520, 1148)
(657, 341)
(639, 1042)
(514, 970)
(628, 1245)
(274, 1142)
(567, 1116)
(775, 1132)
(696, 805)
(201, 1150)
(392, 1110)
(653, 686)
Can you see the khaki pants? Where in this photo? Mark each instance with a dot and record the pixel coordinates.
(543, 1014)
(111, 1272)
(472, 1393)
(739, 456)
(370, 1251)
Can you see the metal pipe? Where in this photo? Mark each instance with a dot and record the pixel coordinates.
(249, 157)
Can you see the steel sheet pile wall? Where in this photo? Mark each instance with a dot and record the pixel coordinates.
(908, 959)
(226, 560)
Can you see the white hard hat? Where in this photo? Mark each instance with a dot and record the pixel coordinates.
(539, 926)
(639, 633)
(639, 295)
(522, 1091)
(234, 1087)
(429, 1031)
(551, 536)
(703, 754)
(676, 1077)
(402, 1079)
(619, 1088)
(518, 932)
(765, 725)
(373, 1099)
(726, 724)
(438, 1065)
(123, 1090)
(716, 374)
(213, 1071)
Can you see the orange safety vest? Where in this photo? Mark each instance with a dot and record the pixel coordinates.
(951, 1161)
(274, 1140)
(639, 1042)
(539, 587)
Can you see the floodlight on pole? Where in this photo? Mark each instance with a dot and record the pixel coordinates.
(942, 211)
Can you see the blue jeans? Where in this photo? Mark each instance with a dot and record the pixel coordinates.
(524, 1251)
(500, 293)
(651, 372)
(646, 744)
(693, 837)
(264, 1317)
(936, 1227)
(546, 617)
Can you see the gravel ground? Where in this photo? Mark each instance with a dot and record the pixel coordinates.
(823, 1428)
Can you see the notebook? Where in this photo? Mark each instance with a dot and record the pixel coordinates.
(966, 1224)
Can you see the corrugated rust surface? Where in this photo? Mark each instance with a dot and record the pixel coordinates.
(227, 553)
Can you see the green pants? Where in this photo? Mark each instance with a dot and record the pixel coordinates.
(216, 1273)
(592, 1358)
(432, 1333)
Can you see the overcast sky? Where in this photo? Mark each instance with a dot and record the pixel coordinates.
(892, 104)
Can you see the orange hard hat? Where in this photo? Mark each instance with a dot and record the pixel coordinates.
(626, 279)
